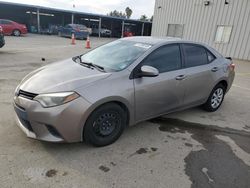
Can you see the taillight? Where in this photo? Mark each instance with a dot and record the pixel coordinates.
(232, 66)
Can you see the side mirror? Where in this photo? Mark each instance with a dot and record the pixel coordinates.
(148, 71)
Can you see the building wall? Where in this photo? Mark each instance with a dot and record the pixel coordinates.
(201, 22)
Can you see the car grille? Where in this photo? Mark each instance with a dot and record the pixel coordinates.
(22, 116)
(26, 94)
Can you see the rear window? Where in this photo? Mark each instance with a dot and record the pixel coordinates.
(79, 26)
(195, 55)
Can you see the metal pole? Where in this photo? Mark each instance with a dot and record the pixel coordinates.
(38, 20)
(63, 20)
(100, 27)
(111, 28)
(72, 18)
(122, 28)
(142, 30)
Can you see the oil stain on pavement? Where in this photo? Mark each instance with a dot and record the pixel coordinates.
(104, 168)
(217, 165)
(143, 151)
(51, 173)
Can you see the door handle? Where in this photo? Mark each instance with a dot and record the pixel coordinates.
(214, 69)
(180, 77)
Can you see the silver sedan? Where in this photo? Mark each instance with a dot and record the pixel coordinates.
(94, 96)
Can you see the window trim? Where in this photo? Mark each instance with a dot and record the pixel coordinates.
(198, 45)
(133, 73)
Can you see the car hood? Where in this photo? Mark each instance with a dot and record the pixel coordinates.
(62, 76)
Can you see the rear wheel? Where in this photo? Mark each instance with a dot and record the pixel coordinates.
(215, 99)
(16, 33)
(105, 125)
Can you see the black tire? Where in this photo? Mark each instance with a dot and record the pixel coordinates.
(16, 33)
(105, 125)
(210, 105)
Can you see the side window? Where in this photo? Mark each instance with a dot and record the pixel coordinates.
(210, 57)
(6, 22)
(166, 58)
(195, 55)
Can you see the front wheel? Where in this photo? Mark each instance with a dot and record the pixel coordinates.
(16, 33)
(215, 99)
(105, 125)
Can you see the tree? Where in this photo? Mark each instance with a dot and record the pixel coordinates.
(144, 18)
(116, 13)
(151, 19)
(128, 12)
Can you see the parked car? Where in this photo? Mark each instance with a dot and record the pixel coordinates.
(94, 96)
(2, 41)
(13, 28)
(80, 31)
(89, 30)
(53, 29)
(128, 33)
(103, 32)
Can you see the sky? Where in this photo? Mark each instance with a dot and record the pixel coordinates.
(139, 7)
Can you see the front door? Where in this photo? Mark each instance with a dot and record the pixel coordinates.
(157, 95)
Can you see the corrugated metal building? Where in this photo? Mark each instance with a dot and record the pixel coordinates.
(223, 24)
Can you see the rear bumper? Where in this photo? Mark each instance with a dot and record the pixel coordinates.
(230, 80)
(63, 123)
(81, 35)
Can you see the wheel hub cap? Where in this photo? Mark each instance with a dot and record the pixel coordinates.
(217, 97)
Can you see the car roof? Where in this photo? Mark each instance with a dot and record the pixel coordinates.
(159, 40)
(163, 40)
(152, 40)
(77, 25)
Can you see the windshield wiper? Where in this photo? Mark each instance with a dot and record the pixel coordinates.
(88, 64)
(94, 65)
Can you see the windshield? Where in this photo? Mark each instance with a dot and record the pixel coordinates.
(116, 55)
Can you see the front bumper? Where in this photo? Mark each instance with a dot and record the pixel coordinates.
(2, 41)
(62, 123)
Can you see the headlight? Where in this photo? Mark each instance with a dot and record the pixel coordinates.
(55, 99)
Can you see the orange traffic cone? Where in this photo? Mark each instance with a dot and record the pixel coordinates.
(73, 39)
(88, 43)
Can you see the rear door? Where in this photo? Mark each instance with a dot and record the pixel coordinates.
(198, 62)
(158, 95)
